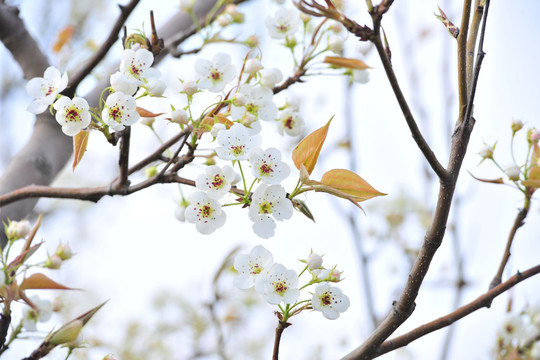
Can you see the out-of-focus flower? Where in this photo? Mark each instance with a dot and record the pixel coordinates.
(360, 76)
(336, 43)
(271, 77)
(251, 266)
(73, 115)
(283, 23)
(486, 152)
(42, 314)
(121, 82)
(252, 66)
(329, 300)
(190, 87)
(44, 90)
(267, 166)
(512, 171)
(215, 74)
(179, 116)
(205, 213)
(516, 125)
(290, 122)
(17, 229)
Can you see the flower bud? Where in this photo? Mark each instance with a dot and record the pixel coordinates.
(17, 229)
(223, 20)
(516, 126)
(314, 261)
(53, 262)
(513, 171)
(64, 251)
(217, 128)
(150, 171)
(252, 41)
(305, 17)
(67, 333)
(334, 276)
(270, 77)
(533, 136)
(190, 87)
(486, 152)
(155, 86)
(179, 116)
(252, 66)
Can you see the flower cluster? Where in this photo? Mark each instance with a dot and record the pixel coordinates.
(279, 285)
(520, 334)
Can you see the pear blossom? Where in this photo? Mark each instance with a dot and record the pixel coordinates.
(270, 77)
(512, 171)
(314, 261)
(214, 131)
(179, 116)
(279, 284)
(251, 266)
(73, 115)
(329, 300)
(360, 76)
(267, 166)
(121, 82)
(155, 86)
(258, 102)
(283, 23)
(205, 213)
(235, 143)
(268, 203)
(17, 229)
(42, 312)
(120, 111)
(252, 66)
(215, 74)
(216, 182)
(486, 152)
(135, 64)
(290, 122)
(44, 90)
(190, 87)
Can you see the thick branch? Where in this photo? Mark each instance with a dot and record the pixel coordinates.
(482, 301)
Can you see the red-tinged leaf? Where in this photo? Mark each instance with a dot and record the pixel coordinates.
(491, 181)
(146, 113)
(348, 63)
(63, 38)
(351, 184)
(40, 281)
(307, 151)
(80, 142)
(22, 257)
(452, 29)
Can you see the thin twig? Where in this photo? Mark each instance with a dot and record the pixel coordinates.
(462, 58)
(125, 11)
(471, 41)
(123, 160)
(480, 302)
(277, 339)
(518, 222)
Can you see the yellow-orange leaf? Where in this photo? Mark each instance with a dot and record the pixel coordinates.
(40, 281)
(307, 151)
(534, 178)
(146, 113)
(80, 142)
(63, 38)
(349, 183)
(346, 62)
(209, 121)
(491, 181)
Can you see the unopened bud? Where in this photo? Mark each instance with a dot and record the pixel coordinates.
(252, 66)
(190, 87)
(513, 171)
(314, 261)
(179, 116)
(516, 126)
(150, 171)
(64, 251)
(252, 41)
(533, 136)
(67, 333)
(334, 276)
(486, 152)
(17, 229)
(53, 262)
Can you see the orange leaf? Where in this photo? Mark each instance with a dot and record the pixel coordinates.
(307, 151)
(145, 113)
(80, 141)
(40, 281)
(346, 62)
(22, 257)
(63, 37)
(351, 184)
(534, 178)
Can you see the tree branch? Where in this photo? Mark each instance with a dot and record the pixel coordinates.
(462, 58)
(482, 301)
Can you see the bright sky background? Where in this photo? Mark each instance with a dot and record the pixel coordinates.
(130, 249)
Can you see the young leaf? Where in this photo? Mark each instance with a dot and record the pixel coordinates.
(351, 184)
(40, 281)
(307, 151)
(490, 181)
(22, 257)
(348, 63)
(534, 178)
(80, 142)
(63, 38)
(452, 29)
(146, 113)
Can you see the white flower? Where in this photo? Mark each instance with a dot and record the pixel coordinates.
(283, 23)
(235, 143)
(270, 77)
(216, 74)
(155, 86)
(180, 213)
(121, 82)
(268, 166)
(258, 102)
(360, 76)
(535, 351)
(251, 266)
(17, 229)
(217, 181)
(42, 314)
(512, 171)
(217, 128)
(120, 111)
(329, 300)
(205, 213)
(314, 261)
(487, 151)
(267, 202)
(278, 285)
(136, 64)
(190, 87)
(513, 328)
(290, 122)
(45, 89)
(335, 43)
(73, 115)
(179, 116)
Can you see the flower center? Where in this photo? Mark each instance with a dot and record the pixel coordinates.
(326, 299)
(265, 208)
(252, 108)
(288, 123)
(238, 149)
(266, 169)
(255, 269)
(215, 75)
(280, 287)
(72, 114)
(205, 211)
(115, 113)
(218, 182)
